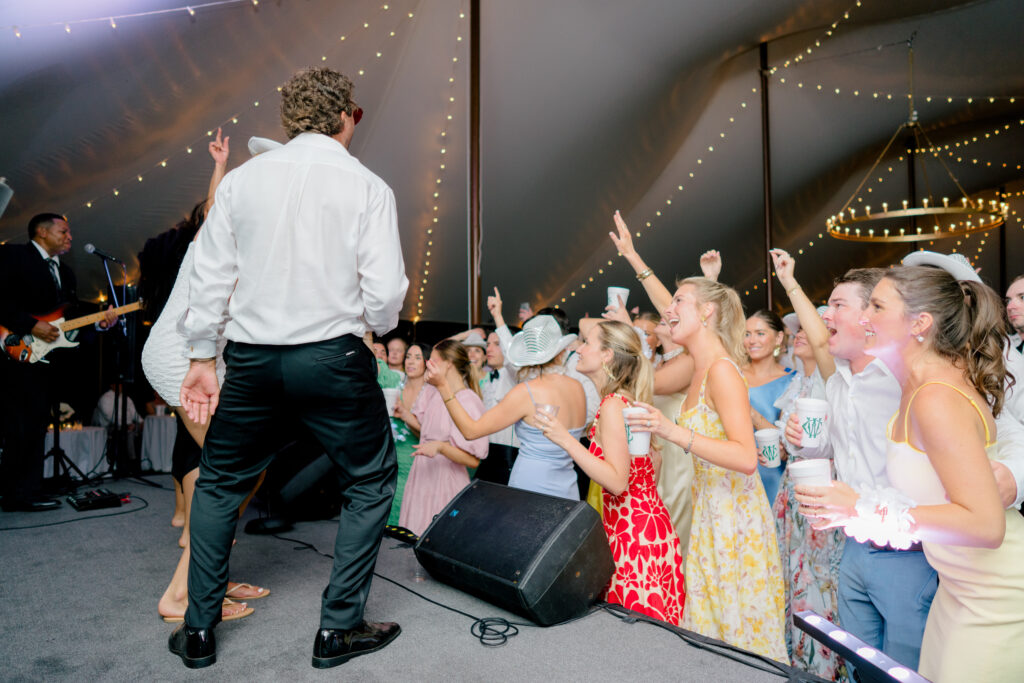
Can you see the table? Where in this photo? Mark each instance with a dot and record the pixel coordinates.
(85, 447)
(158, 432)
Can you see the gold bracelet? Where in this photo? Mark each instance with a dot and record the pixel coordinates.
(789, 292)
(450, 398)
(644, 274)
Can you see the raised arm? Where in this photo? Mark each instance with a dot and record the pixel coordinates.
(219, 150)
(612, 473)
(657, 292)
(515, 406)
(806, 312)
(711, 264)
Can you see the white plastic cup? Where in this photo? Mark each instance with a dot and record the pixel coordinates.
(639, 443)
(767, 441)
(391, 399)
(615, 293)
(811, 413)
(814, 472)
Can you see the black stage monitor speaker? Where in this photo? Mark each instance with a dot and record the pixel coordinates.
(543, 557)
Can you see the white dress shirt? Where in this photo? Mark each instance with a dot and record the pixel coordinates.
(493, 391)
(1010, 423)
(859, 409)
(301, 245)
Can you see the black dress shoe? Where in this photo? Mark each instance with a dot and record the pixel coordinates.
(195, 646)
(30, 505)
(334, 646)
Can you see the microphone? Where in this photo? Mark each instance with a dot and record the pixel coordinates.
(90, 249)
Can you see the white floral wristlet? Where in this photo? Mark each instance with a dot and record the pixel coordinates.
(883, 516)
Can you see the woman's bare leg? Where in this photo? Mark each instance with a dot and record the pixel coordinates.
(178, 520)
(175, 598)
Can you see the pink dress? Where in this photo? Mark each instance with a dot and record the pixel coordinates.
(433, 482)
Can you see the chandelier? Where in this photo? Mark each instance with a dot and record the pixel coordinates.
(909, 221)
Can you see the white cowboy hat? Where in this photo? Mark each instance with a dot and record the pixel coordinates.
(260, 145)
(474, 339)
(540, 341)
(956, 265)
(792, 323)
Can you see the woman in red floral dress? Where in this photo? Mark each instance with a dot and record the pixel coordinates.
(648, 564)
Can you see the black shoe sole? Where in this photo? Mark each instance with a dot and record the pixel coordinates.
(200, 662)
(328, 662)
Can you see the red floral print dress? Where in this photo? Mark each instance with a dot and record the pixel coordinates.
(648, 564)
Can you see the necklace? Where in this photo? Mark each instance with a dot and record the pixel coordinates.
(666, 357)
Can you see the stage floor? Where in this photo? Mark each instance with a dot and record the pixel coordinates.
(78, 601)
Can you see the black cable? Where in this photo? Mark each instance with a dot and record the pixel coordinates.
(490, 631)
(145, 504)
(495, 631)
(717, 647)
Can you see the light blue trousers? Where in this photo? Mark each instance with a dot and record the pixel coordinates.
(884, 598)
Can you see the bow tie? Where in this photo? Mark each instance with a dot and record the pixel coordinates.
(494, 375)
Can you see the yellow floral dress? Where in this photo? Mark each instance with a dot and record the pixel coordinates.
(734, 589)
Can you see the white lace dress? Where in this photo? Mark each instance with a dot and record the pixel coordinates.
(163, 356)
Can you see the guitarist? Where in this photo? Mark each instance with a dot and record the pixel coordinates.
(33, 281)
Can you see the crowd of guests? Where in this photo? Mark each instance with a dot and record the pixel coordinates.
(922, 440)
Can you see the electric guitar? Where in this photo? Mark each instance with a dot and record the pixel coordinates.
(28, 349)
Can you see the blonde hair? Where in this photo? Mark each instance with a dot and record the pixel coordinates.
(312, 101)
(629, 371)
(455, 353)
(729, 322)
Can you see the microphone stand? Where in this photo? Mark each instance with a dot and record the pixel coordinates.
(119, 413)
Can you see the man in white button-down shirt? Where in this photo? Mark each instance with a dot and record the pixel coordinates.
(300, 254)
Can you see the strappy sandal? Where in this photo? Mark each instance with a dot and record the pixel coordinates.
(260, 592)
(224, 616)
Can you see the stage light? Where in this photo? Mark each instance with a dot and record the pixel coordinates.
(873, 666)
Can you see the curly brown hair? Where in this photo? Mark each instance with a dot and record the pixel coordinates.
(312, 101)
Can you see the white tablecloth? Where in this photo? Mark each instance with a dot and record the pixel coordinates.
(85, 447)
(158, 432)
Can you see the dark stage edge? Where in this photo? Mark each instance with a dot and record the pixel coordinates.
(78, 601)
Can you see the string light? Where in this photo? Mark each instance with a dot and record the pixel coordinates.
(436, 194)
(809, 50)
(112, 20)
(231, 120)
(650, 222)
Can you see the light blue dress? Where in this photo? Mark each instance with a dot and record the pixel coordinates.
(762, 399)
(542, 466)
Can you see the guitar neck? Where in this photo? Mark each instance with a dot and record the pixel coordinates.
(69, 325)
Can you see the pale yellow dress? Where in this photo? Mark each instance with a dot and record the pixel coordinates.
(675, 481)
(975, 628)
(734, 589)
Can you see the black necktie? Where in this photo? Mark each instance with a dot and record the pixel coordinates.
(54, 271)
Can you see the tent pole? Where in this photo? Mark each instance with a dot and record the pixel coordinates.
(766, 160)
(475, 309)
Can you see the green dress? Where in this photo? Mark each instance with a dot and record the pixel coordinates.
(405, 440)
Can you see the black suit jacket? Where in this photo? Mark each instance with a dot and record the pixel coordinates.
(27, 288)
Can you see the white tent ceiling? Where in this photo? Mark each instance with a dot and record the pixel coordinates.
(587, 106)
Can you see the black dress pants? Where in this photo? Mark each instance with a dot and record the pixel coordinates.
(25, 390)
(331, 387)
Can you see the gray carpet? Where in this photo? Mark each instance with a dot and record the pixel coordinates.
(78, 601)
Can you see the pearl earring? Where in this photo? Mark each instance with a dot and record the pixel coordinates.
(920, 338)
(704, 322)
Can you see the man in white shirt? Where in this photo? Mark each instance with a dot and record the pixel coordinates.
(301, 253)
(884, 594)
(497, 381)
(1015, 348)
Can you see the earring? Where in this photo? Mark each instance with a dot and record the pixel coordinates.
(608, 371)
(704, 322)
(920, 338)
(777, 351)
